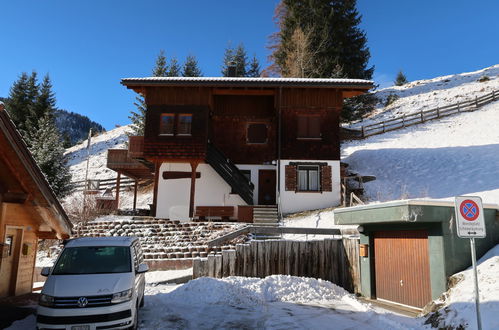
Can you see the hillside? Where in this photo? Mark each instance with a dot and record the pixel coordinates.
(74, 126)
(453, 156)
(97, 169)
(427, 94)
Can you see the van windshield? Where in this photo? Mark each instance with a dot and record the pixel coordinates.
(93, 260)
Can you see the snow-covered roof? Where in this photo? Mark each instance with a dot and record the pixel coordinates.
(408, 202)
(244, 81)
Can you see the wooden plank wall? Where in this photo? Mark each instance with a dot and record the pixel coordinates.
(333, 260)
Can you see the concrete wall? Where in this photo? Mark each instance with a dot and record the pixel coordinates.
(292, 201)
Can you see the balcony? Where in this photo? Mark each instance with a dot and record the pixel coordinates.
(120, 161)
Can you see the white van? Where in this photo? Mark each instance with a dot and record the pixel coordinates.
(96, 283)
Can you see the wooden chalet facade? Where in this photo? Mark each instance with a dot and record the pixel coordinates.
(229, 142)
(29, 211)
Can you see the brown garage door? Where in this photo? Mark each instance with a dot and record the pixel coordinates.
(402, 267)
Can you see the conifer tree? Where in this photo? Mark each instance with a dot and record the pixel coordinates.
(44, 104)
(228, 60)
(174, 69)
(400, 79)
(191, 68)
(254, 69)
(48, 151)
(337, 47)
(236, 57)
(161, 67)
(20, 101)
(138, 117)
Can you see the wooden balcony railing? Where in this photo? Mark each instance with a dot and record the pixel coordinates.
(136, 146)
(118, 158)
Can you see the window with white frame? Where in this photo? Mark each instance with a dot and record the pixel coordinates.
(308, 178)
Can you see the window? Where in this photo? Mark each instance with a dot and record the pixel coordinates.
(247, 174)
(256, 133)
(308, 178)
(172, 124)
(184, 124)
(309, 127)
(93, 260)
(166, 124)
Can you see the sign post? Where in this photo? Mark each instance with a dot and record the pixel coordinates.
(470, 224)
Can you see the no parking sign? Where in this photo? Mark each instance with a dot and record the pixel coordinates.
(469, 217)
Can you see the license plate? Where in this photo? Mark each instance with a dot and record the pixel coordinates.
(80, 327)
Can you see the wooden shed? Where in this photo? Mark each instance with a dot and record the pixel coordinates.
(409, 248)
(29, 211)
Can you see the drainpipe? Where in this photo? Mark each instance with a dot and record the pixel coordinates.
(279, 208)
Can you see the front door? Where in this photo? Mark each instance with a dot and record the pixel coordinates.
(10, 261)
(402, 267)
(266, 187)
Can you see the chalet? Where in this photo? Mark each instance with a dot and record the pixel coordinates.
(29, 211)
(228, 146)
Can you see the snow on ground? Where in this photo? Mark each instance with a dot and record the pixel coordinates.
(77, 155)
(275, 302)
(459, 301)
(314, 219)
(429, 94)
(160, 276)
(97, 169)
(457, 155)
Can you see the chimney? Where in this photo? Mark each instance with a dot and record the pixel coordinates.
(232, 69)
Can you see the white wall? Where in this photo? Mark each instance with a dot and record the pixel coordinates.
(301, 201)
(254, 176)
(174, 194)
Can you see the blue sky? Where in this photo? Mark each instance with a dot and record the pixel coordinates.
(87, 46)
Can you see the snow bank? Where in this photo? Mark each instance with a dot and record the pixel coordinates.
(459, 301)
(275, 302)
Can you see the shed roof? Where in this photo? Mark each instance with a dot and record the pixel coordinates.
(23, 157)
(248, 82)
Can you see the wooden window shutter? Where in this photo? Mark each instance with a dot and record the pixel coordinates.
(326, 178)
(290, 177)
(314, 127)
(302, 127)
(257, 133)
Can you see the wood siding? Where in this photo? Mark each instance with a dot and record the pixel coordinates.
(157, 146)
(229, 124)
(225, 118)
(402, 267)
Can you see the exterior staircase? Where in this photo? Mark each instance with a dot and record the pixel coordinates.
(265, 215)
(230, 173)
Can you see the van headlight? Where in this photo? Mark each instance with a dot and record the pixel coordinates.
(45, 300)
(122, 296)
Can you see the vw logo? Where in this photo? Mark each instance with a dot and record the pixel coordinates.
(82, 302)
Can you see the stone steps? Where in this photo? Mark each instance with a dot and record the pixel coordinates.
(163, 239)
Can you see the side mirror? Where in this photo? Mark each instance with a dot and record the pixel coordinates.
(45, 271)
(142, 268)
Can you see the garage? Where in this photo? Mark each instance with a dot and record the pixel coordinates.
(409, 248)
(402, 267)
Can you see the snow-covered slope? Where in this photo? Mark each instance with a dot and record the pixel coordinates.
(458, 304)
(77, 155)
(428, 94)
(97, 169)
(453, 156)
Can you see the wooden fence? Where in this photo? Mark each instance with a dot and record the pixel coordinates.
(335, 260)
(103, 184)
(423, 116)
